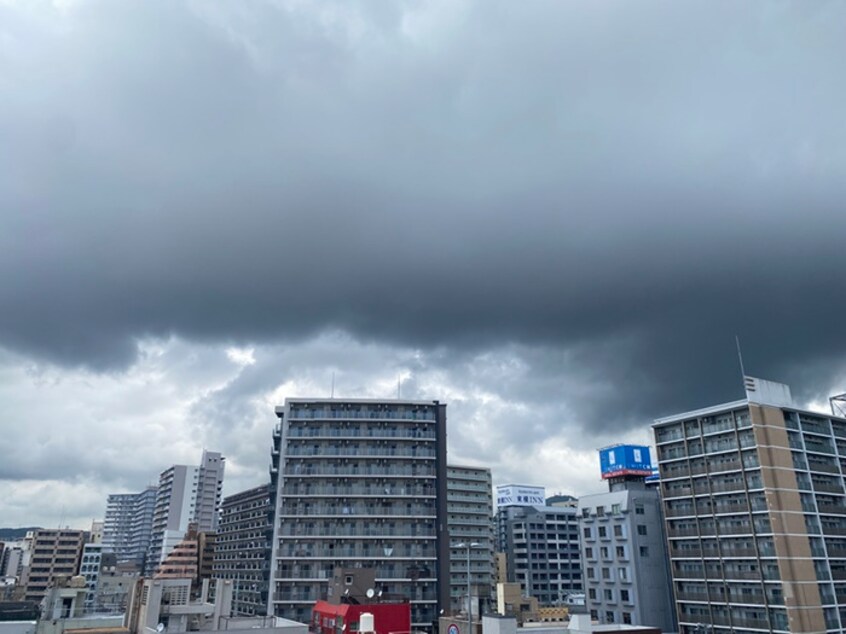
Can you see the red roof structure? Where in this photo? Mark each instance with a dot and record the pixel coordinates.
(344, 618)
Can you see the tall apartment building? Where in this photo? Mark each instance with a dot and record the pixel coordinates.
(470, 522)
(128, 525)
(53, 553)
(540, 542)
(242, 551)
(360, 483)
(624, 547)
(186, 495)
(756, 515)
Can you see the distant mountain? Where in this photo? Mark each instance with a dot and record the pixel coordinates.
(14, 534)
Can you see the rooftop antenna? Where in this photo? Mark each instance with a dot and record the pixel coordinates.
(740, 357)
(399, 383)
(837, 403)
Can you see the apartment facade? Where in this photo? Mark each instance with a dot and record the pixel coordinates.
(470, 522)
(53, 553)
(623, 545)
(242, 552)
(186, 496)
(89, 567)
(360, 483)
(128, 525)
(540, 542)
(755, 513)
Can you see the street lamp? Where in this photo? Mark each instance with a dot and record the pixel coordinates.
(468, 546)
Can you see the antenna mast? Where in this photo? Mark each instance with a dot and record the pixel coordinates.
(740, 357)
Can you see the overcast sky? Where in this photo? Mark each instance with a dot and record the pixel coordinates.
(553, 216)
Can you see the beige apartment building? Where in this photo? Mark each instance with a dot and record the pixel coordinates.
(54, 553)
(754, 505)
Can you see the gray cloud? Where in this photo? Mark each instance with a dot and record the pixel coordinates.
(606, 193)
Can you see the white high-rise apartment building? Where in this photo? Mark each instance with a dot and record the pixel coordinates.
(186, 495)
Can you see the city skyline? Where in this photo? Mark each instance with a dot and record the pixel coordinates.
(554, 218)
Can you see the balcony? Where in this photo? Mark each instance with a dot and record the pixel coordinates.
(352, 511)
(683, 532)
(695, 553)
(677, 492)
(823, 467)
(681, 511)
(827, 487)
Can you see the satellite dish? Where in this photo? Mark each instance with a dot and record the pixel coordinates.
(370, 593)
(160, 628)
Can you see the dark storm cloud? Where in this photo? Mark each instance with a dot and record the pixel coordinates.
(620, 188)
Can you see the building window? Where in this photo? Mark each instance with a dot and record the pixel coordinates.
(604, 552)
(609, 616)
(602, 532)
(639, 509)
(644, 551)
(627, 618)
(588, 553)
(624, 595)
(615, 509)
(590, 573)
(587, 532)
(606, 573)
(618, 530)
(621, 552)
(594, 615)
(600, 511)
(609, 594)
(592, 594)
(641, 529)
(586, 512)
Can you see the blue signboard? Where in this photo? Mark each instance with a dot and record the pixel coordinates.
(621, 460)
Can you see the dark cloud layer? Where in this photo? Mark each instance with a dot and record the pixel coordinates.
(620, 187)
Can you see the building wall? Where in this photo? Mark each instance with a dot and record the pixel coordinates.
(470, 521)
(541, 545)
(624, 555)
(185, 495)
(54, 553)
(206, 512)
(128, 525)
(89, 567)
(757, 531)
(360, 483)
(242, 552)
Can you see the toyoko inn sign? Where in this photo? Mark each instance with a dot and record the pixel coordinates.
(520, 495)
